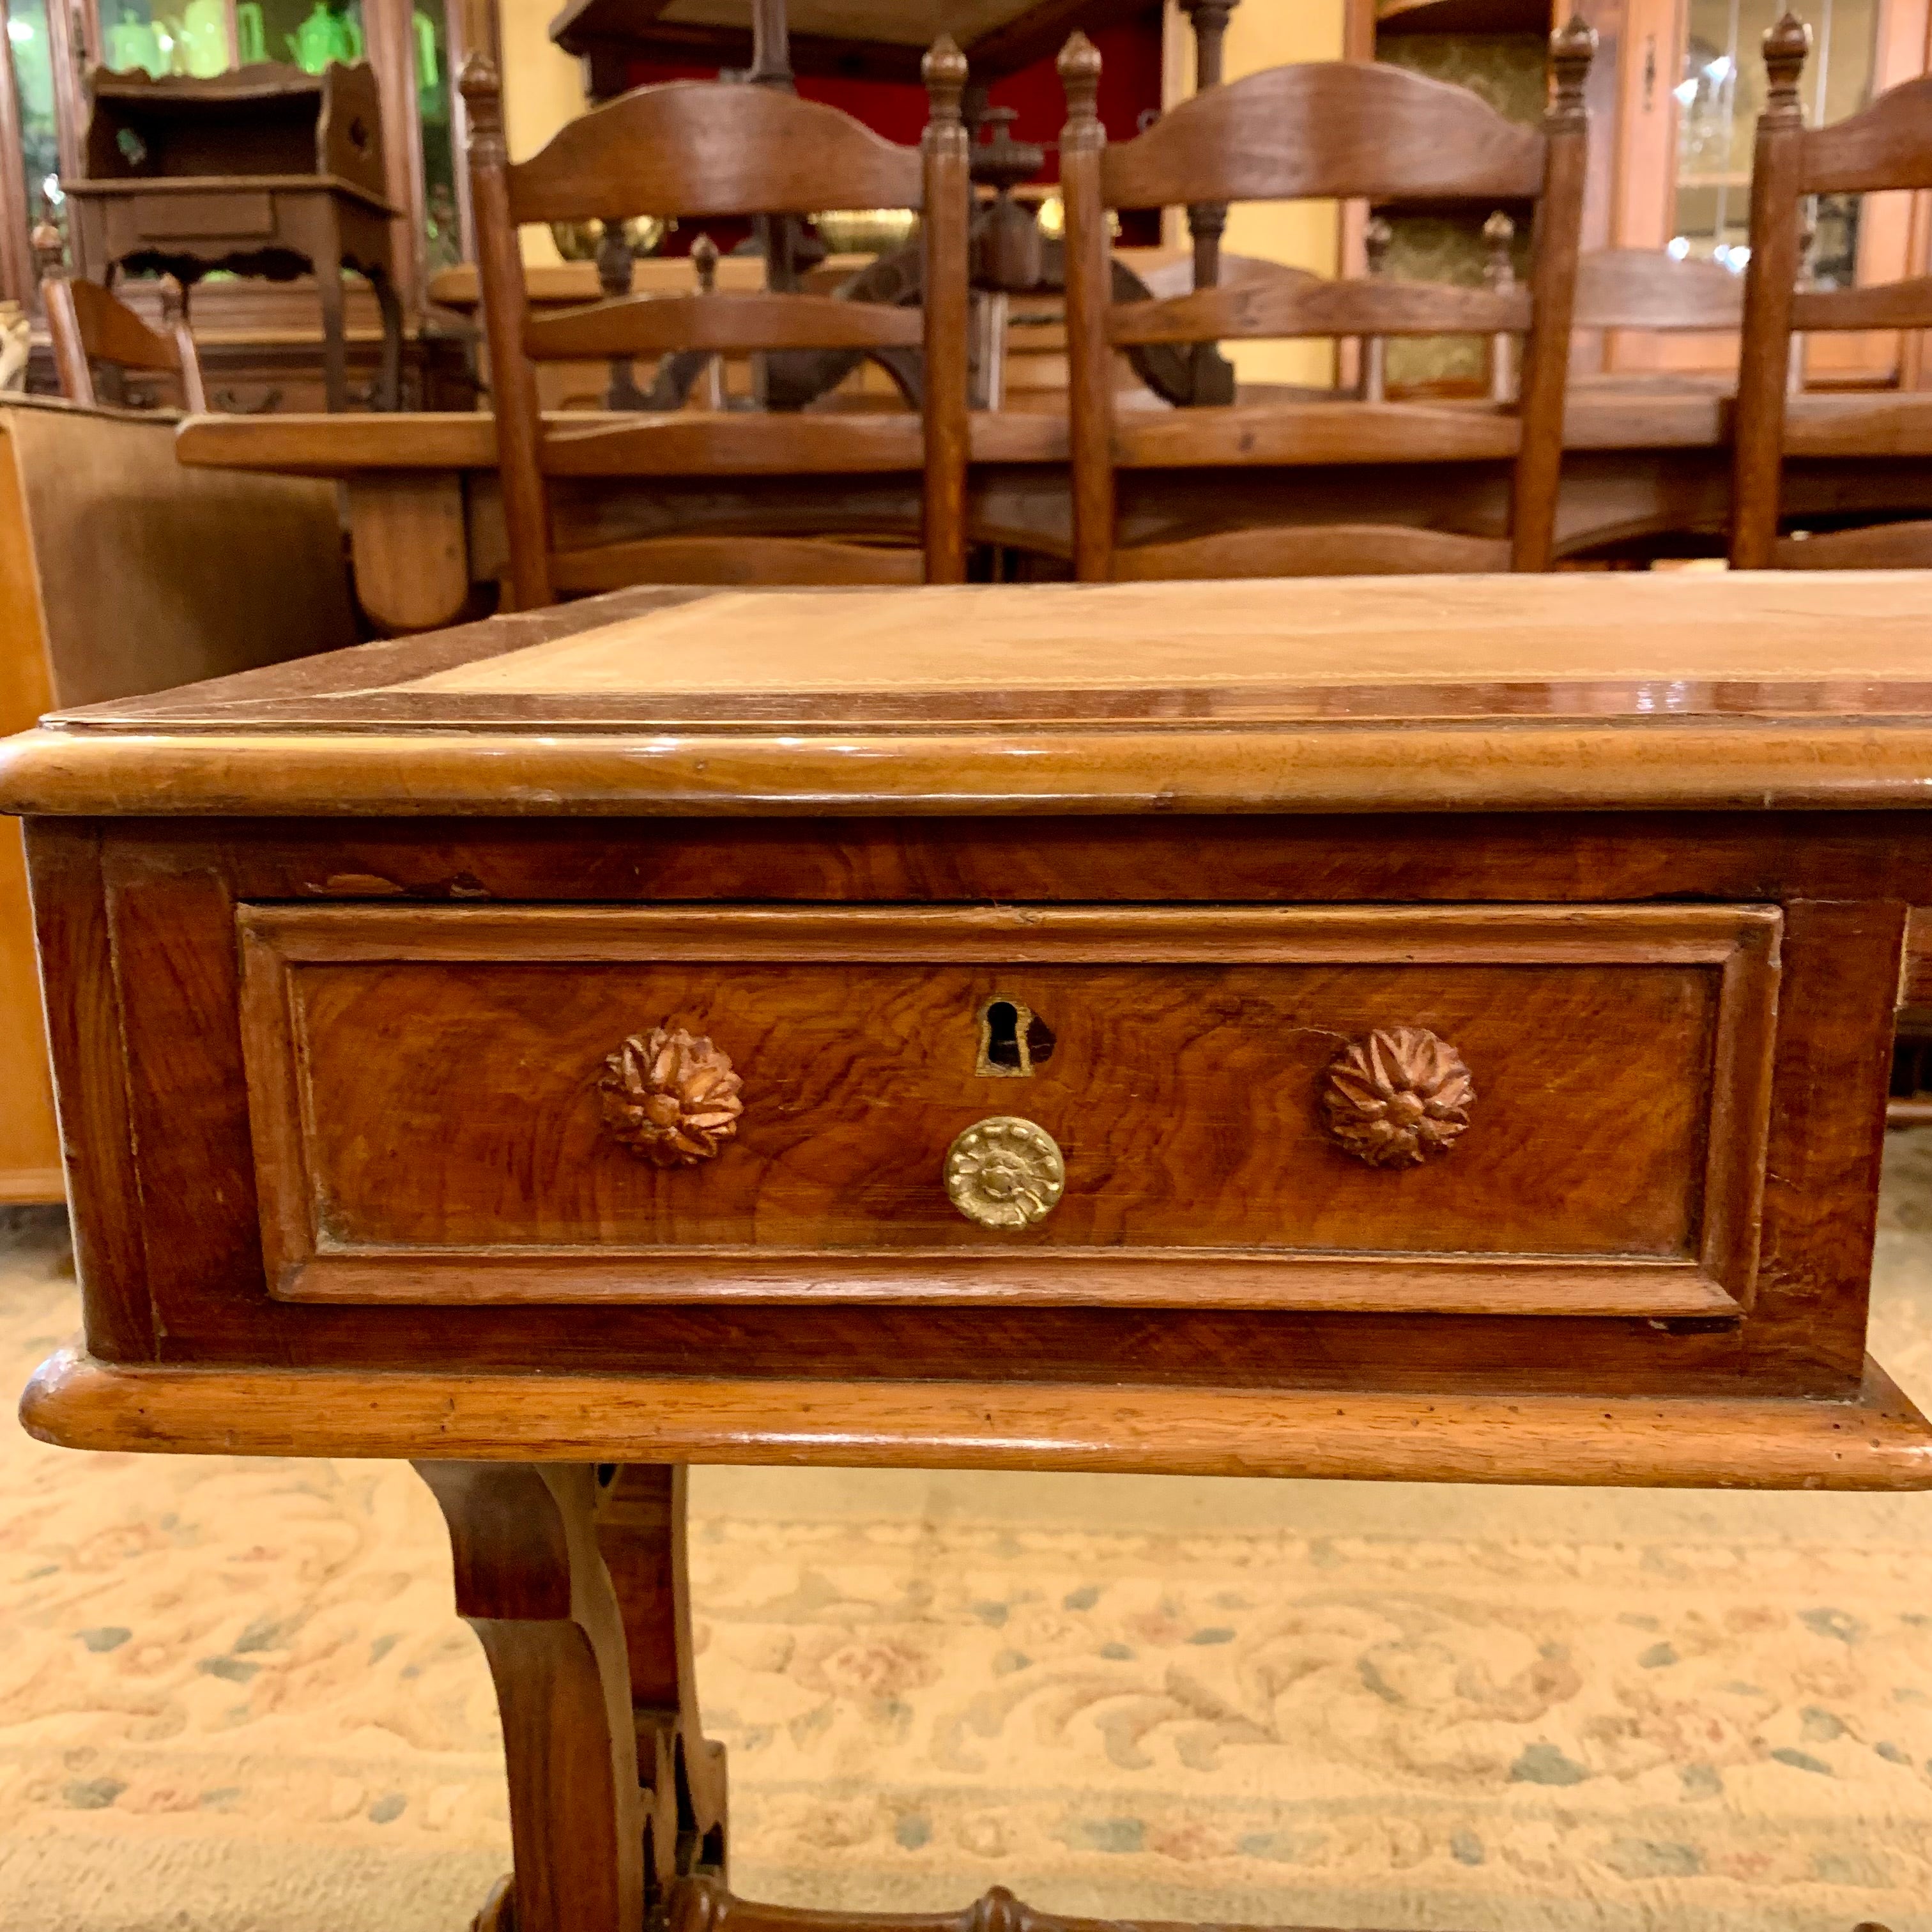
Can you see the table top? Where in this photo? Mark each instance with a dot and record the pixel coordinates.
(1675, 689)
(1642, 415)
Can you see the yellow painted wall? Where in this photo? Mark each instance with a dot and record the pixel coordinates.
(1306, 234)
(543, 87)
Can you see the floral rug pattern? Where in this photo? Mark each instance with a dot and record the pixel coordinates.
(233, 1695)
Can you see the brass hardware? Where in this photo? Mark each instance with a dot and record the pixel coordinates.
(1005, 1172)
(671, 1098)
(1397, 1098)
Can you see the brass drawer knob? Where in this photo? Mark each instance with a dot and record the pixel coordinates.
(671, 1096)
(1398, 1098)
(1005, 1172)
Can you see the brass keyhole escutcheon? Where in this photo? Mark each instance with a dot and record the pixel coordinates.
(1005, 1172)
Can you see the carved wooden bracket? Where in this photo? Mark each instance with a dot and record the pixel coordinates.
(1398, 1098)
(702, 1905)
(672, 1097)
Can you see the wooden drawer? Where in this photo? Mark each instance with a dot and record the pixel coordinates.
(1526, 1109)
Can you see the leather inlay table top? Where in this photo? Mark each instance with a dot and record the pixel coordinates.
(1619, 691)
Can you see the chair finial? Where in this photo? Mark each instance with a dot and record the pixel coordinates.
(1079, 65)
(944, 71)
(1572, 48)
(481, 87)
(704, 261)
(1787, 42)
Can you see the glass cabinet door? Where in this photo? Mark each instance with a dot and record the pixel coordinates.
(32, 53)
(204, 37)
(1720, 93)
(1693, 85)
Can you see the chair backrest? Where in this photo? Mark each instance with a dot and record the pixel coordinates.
(87, 324)
(1340, 130)
(704, 149)
(1886, 145)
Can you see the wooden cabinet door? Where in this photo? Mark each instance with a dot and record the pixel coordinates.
(1690, 84)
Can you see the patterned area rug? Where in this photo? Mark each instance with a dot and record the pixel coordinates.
(233, 1697)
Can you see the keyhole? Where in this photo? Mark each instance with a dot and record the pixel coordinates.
(1003, 1037)
(1013, 1040)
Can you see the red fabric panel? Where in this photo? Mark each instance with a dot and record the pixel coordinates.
(1129, 87)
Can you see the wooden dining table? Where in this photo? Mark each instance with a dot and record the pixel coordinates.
(1646, 471)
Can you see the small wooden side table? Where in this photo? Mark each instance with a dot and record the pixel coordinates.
(263, 170)
(1426, 1028)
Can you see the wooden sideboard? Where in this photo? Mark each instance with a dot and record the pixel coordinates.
(210, 575)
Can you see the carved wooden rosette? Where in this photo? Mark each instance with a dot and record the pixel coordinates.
(670, 1097)
(1397, 1098)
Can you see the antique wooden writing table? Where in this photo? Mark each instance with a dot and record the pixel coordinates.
(1430, 1028)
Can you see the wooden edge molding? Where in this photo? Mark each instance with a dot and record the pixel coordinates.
(1877, 1440)
(858, 771)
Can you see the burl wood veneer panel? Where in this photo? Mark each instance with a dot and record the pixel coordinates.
(425, 1094)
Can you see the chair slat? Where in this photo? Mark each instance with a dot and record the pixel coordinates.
(702, 149)
(1266, 306)
(734, 559)
(1888, 145)
(1331, 128)
(1902, 304)
(1645, 288)
(1875, 547)
(654, 325)
(696, 442)
(1324, 549)
(1289, 433)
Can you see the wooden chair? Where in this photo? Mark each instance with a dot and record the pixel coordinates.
(89, 324)
(1886, 145)
(1335, 129)
(699, 149)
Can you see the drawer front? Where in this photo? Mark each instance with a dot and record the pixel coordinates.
(1528, 1109)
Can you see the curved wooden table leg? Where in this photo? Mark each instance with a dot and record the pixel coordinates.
(531, 1583)
(640, 1529)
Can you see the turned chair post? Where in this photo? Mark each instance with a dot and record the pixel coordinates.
(947, 153)
(1378, 237)
(1208, 220)
(1546, 350)
(513, 379)
(1771, 289)
(1083, 140)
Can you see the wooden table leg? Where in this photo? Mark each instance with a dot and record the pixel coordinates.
(573, 1578)
(640, 1530)
(531, 1583)
(389, 382)
(326, 259)
(409, 544)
